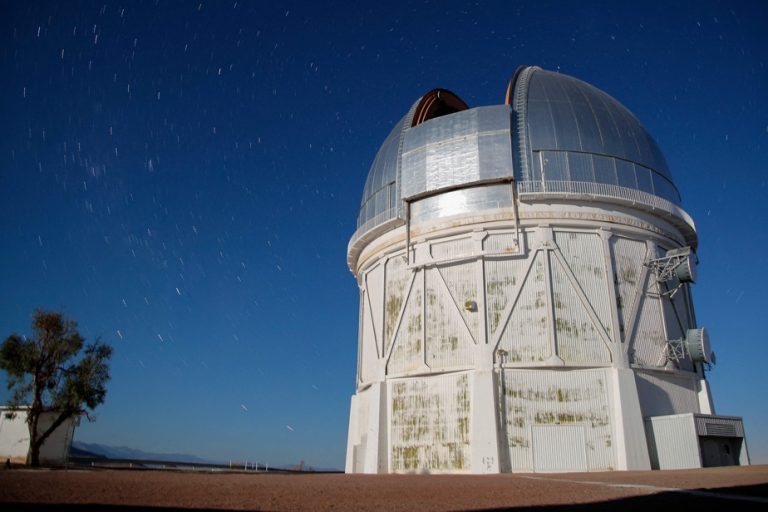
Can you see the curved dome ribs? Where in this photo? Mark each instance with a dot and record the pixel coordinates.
(576, 133)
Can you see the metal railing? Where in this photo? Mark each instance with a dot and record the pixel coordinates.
(589, 190)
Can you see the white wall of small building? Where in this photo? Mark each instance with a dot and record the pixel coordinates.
(14, 437)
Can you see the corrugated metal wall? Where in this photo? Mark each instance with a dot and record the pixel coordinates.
(525, 337)
(552, 397)
(672, 442)
(461, 280)
(584, 255)
(578, 338)
(408, 349)
(648, 340)
(503, 278)
(397, 278)
(502, 243)
(449, 151)
(628, 257)
(535, 301)
(360, 434)
(662, 394)
(452, 249)
(374, 287)
(559, 448)
(449, 342)
(430, 423)
(368, 351)
(719, 426)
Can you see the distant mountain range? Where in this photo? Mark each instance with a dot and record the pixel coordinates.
(100, 451)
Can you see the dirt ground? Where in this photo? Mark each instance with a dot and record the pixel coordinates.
(735, 488)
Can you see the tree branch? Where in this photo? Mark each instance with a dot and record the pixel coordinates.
(57, 422)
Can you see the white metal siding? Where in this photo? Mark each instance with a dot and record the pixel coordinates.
(449, 343)
(672, 442)
(628, 258)
(408, 350)
(359, 436)
(578, 338)
(461, 280)
(14, 437)
(503, 278)
(649, 338)
(452, 249)
(397, 279)
(559, 448)
(430, 423)
(583, 252)
(525, 336)
(551, 397)
(662, 395)
(374, 281)
(501, 243)
(470, 293)
(368, 349)
(726, 426)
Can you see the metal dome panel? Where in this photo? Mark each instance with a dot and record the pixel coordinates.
(556, 136)
(577, 133)
(381, 197)
(464, 148)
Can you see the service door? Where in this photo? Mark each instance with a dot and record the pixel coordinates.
(559, 448)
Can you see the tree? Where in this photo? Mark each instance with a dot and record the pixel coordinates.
(50, 367)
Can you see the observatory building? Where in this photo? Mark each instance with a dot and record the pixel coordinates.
(525, 276)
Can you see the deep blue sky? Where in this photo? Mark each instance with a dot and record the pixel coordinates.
(182, 177)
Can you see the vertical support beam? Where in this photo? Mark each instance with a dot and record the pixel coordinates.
(620, 358)
(407, 233)
(366, 298)
(377, 434)
(359, 376)
(629, 431)
(631, 320)
(516, 210)
(424, 315)
(484, 434)
(550, 301)
(349, 465)
(483, 350)
(382, 441)
(367, 438)
(706, 405)
(547, 244)
(384, 262)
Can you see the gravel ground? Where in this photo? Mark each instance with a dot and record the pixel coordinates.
(735, 488)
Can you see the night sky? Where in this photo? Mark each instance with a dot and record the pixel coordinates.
(182, 178)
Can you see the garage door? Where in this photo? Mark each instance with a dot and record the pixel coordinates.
(559, 448)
